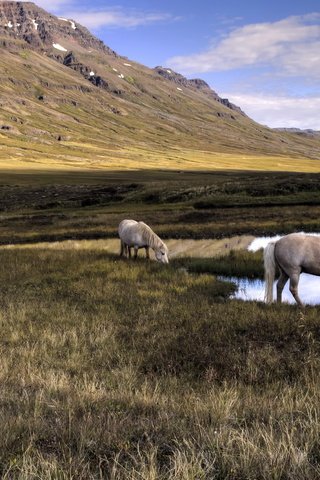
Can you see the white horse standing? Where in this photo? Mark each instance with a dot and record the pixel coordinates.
(139, 235)
(293, 254)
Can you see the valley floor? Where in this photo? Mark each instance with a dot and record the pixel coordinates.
(18, 155)
(57, 206)
(114, 369)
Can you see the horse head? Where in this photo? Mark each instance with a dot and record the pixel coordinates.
(161, 253)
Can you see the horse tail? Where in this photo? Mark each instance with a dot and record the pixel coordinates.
(269, 271)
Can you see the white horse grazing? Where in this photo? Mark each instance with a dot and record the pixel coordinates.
(293, 254)
(139, 235)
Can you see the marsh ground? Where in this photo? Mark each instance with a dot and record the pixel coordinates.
(84, 205)
(126, 370)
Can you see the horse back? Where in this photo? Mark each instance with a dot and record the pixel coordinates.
(297, 251)
(130, 233)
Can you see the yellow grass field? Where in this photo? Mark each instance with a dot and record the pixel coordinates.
(76, 156)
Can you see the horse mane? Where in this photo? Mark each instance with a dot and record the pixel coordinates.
(149, 236)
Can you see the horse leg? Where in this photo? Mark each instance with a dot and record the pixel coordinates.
(122, 248)
(147, 253)
(129, 251)
(280, 284)
(294, 281)
(135, 252)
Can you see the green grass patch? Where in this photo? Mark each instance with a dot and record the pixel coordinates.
(235, 264)
(130, 79)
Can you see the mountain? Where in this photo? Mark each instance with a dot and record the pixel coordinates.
(67, 99)
(298, 131)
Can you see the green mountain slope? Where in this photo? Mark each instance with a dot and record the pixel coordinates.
(68, 100)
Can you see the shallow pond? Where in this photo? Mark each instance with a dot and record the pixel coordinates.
(309, 289)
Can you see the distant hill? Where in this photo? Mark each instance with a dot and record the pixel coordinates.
(299, 131)
(68, 98)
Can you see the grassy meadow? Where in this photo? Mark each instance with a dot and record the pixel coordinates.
(115, 369)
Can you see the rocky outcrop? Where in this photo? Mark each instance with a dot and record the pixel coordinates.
(182, 81)
(71, 61)
(199, 84)
(195, 84)
(230, 105)
(26, 21)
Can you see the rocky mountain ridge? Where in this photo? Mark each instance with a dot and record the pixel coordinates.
(48, 34)
(40, 30)
(298, 131)
(196, 83)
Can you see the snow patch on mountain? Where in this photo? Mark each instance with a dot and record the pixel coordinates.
(59, 47)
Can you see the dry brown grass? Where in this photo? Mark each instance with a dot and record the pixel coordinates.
(121, 370)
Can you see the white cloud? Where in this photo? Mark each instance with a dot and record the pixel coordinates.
(290, 46)
(303, 60)
(117, 18)
(52, 5)
(109, 17)
(280, 111)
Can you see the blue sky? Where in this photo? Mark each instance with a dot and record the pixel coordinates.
(263, 55)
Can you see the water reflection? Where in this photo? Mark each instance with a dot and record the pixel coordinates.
(309, 289)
